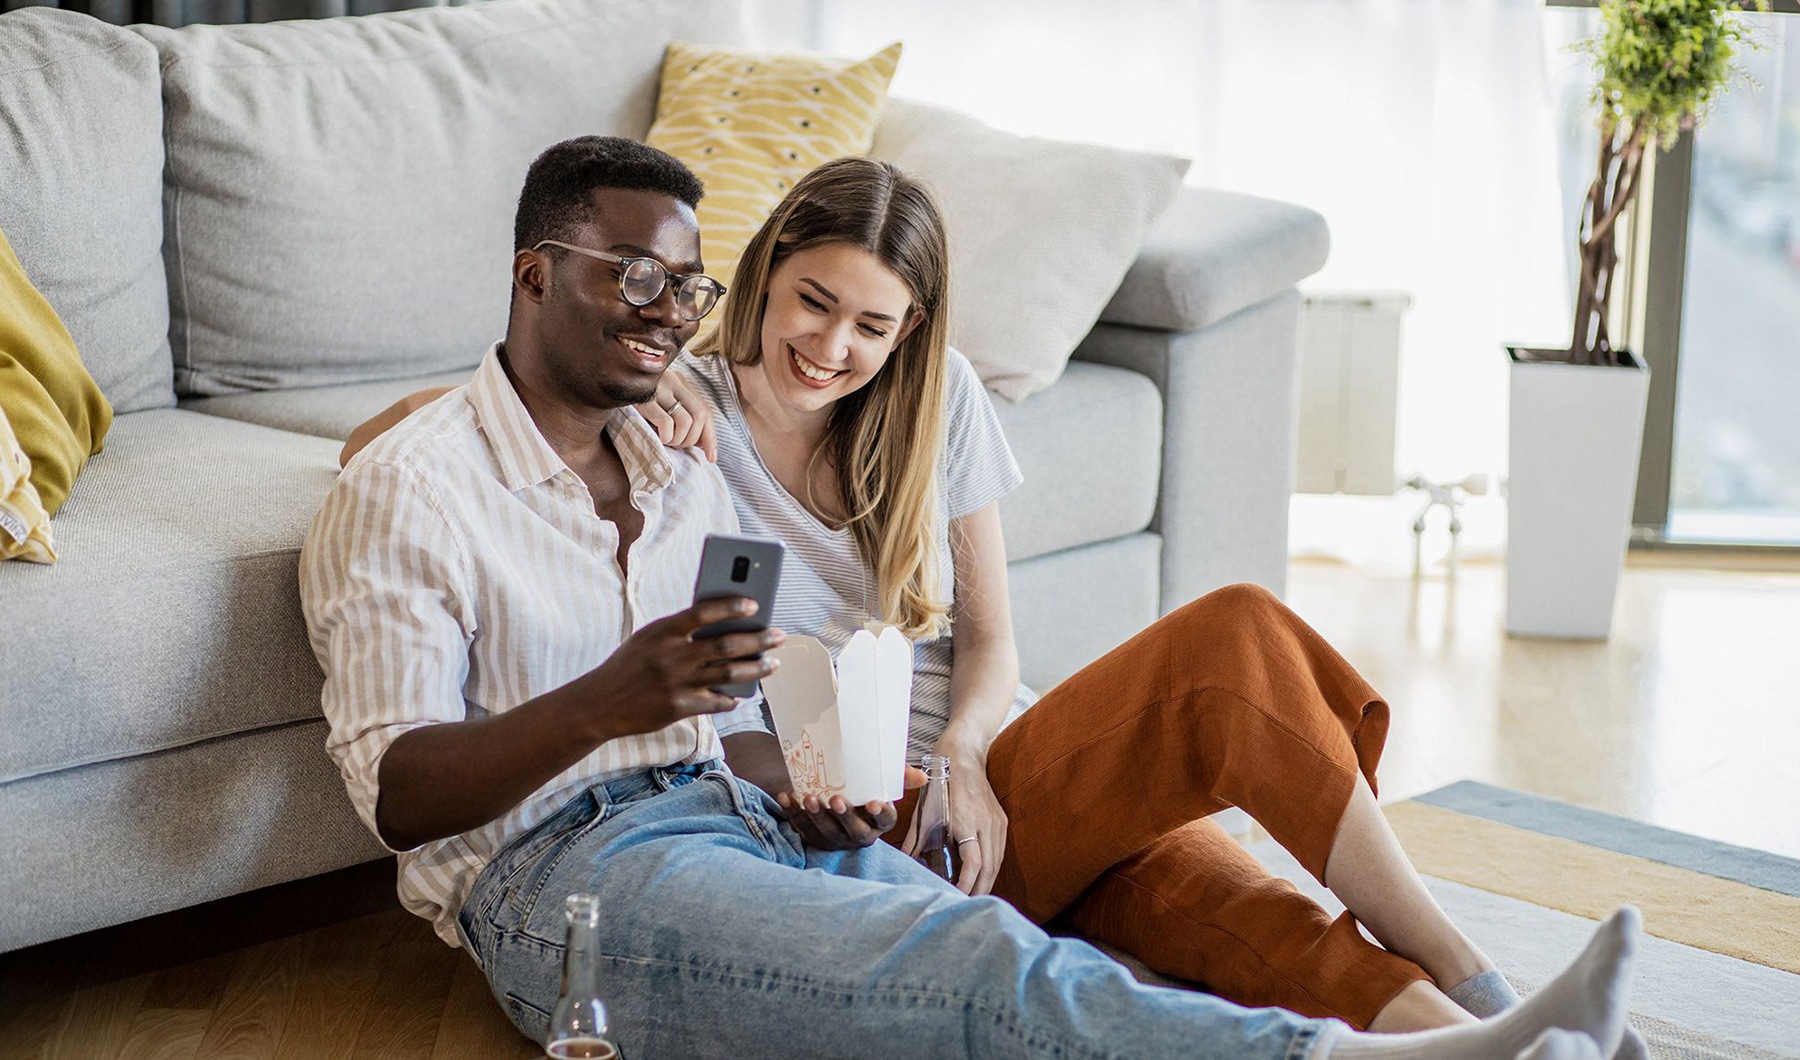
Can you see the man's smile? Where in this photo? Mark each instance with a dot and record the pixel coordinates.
(654, 358)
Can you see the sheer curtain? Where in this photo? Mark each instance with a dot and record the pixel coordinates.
(1426, 131)
(186, 12)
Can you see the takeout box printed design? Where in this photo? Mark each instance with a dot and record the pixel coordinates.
(843, 728)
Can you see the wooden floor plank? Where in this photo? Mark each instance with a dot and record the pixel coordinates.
(402, 1017)
(165, 1034)
(97, 1020)
(473, 1027)
(248, 1020)
(33, 996)
(335, 986)
(194, 984)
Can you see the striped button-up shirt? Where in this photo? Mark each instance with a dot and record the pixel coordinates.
(458, 569)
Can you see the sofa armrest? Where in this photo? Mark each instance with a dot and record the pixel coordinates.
(1212, 315)
(1230, 405)
(1209, 312)
(1213, 253)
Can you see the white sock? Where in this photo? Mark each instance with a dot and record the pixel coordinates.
(1632, 1047)
(1555, 1044)
(1587, 1000)
(1484, 995)
(1489, 994)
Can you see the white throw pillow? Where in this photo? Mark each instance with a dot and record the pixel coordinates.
(1041, 233)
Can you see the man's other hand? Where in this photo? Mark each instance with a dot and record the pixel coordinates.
(663, 674)
(833, 824)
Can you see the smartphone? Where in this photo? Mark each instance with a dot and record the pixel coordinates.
(739, 566)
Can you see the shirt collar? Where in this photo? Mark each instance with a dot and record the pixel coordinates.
(523, 456)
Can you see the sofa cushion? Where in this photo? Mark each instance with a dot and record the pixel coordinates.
(81, 153)
(325, 411)
(341, 191)
(1214, 253)
(91, 847)
(174, 615)
(1071, 607)
(1091, 450)
(1041, 231)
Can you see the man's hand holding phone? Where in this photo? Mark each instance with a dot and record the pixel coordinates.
(663, 673)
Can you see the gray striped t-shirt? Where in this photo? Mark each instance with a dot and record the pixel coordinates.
(827, 590)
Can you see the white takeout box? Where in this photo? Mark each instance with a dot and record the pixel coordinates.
(843, 728)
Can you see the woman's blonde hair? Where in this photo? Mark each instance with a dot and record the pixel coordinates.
(885, 439)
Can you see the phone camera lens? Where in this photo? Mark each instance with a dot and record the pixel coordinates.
(740, 568)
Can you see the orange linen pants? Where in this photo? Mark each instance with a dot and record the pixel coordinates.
(1231, 700)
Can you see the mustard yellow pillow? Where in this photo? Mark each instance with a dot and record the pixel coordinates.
(59, 416)
(752, 123)
(24, 524)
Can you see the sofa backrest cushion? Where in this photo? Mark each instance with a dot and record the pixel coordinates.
(340, 192)
(1041, 232)
(81, 160)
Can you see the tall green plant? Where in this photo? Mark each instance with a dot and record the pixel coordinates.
(1660, 64)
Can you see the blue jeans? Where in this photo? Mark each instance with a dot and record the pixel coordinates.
(724, 936)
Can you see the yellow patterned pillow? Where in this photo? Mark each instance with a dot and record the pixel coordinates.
(750, 124)
(24, 524)
(58, 415)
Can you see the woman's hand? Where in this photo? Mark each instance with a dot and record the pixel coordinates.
(975, 812)
(681, 417)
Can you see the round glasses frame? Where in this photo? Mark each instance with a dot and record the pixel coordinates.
(643, 280)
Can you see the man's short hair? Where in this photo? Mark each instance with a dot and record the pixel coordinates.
(555, 201)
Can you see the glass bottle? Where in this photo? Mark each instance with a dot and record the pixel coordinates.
(578, 1029)
(936, 848)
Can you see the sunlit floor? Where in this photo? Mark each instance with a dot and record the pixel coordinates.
(1687, 717)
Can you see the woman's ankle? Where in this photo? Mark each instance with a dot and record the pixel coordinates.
(1458, 967)
(1420, 1006)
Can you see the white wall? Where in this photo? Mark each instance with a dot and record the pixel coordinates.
(1426, 131)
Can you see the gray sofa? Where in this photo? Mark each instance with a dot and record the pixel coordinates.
(261, 235)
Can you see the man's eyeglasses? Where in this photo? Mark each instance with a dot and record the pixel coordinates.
(642, 280)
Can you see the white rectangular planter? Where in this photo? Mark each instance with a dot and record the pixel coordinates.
(1574, 435)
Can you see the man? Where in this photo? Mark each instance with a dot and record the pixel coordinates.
(496, 591)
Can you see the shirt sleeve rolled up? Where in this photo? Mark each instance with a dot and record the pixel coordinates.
(384, 589)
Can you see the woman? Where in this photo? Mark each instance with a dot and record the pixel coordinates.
(847, 428)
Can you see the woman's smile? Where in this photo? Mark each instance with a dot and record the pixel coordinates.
(809, 372)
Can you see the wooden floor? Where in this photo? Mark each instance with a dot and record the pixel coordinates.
(295, 972)
(1688, 717)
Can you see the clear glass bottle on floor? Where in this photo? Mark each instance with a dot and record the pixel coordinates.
(578, 1028)
(935, 847)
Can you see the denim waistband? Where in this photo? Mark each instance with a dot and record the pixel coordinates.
(656, 780)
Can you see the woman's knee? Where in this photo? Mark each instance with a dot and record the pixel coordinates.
(1233, 602)
(1235, 623)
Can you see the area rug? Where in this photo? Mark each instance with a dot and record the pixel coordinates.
(1718, 974)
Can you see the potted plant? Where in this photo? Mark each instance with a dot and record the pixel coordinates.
(1577, 413)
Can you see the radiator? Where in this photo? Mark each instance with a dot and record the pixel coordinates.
(1349, 392)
